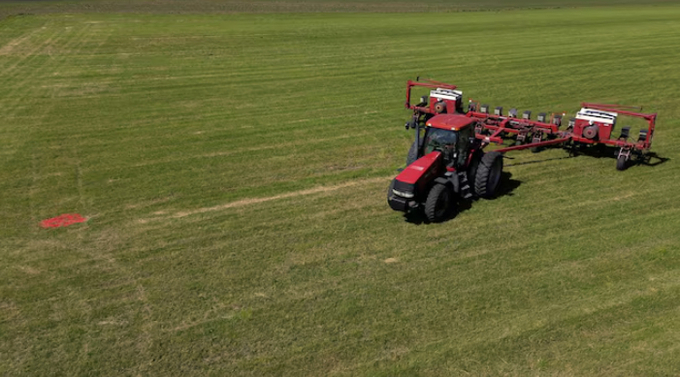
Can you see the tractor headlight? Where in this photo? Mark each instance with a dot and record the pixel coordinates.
(407, 195)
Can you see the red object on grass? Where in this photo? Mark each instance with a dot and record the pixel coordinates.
(62, 220)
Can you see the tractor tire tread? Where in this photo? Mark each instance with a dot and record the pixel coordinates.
(472, 170)
(431, 202)
(484, 171)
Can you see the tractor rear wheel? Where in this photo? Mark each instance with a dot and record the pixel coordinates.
(472, 169)
(438, 203)
(489, 174)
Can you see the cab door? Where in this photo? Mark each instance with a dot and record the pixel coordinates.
(463, 147)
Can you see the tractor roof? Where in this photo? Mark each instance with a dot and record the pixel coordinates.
(453, 122)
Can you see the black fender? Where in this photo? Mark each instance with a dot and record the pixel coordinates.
(450, 180)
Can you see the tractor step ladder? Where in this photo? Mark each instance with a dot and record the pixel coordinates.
(465, 189)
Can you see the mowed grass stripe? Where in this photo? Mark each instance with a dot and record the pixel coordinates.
(21, 92)
(574, 271)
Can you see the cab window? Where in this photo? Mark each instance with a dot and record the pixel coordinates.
(437, 139)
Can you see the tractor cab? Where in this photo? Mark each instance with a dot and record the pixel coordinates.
(449, 134)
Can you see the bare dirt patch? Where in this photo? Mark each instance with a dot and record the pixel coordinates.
(29, 270)
(9, 48)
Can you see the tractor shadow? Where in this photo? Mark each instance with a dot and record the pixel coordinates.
(651, 159)
(602, 151)
(507, 188)
(538, 161)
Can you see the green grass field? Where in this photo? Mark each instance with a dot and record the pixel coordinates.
(233, 169)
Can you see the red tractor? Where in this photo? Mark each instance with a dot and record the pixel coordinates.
(446, 161)
(452, 164)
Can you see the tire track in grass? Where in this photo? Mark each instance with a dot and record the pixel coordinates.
(231, 152)
(74, 43)
(225, 152)
(78, 166)
(23, 89)
(75, 46)
(251, 201)
(9, 49)
(20, 69)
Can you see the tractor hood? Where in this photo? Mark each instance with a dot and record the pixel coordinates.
(413, 181)
(420, 169)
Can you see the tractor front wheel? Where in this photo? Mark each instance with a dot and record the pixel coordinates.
(413, 153)
(439, 203)
(489, 174)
